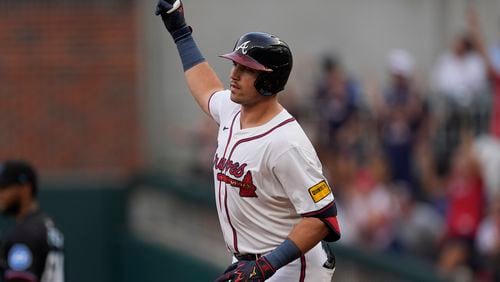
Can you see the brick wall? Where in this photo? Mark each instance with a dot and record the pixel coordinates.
(68, 85)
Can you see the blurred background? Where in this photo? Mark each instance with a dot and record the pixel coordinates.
(401, 105)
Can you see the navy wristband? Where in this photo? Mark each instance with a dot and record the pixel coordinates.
(181, 33)
(283, 254)
(189, 52)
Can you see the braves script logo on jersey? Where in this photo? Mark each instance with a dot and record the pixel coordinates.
(243, 47)
(247, 188)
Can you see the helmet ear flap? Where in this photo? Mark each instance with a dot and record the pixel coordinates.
(262, 84)
(270, 83)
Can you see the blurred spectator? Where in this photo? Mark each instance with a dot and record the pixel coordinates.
(460, 73)
(488, 240)
(488, 146)
(461, 105)
(337, 99)
(464, 212)
(400, 116)
(431, 175)
(453, 262)
(370, 206)
(419, 226)
(487, 151)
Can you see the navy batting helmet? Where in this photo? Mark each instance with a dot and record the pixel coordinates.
(265, 53)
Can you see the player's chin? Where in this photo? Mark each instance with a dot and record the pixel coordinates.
(235, 97)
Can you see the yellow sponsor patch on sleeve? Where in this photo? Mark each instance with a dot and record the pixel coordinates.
(319, 191)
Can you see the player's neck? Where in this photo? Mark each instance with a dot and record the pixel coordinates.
(26, 209)
(259, 114)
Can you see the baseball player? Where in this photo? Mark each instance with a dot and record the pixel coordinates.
(274, 204)
(33, 250)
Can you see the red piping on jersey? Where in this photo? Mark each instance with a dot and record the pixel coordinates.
(322, 210)
(225, 151)
(259, 136)
(235, 237)
(220, 182)
(302, 268)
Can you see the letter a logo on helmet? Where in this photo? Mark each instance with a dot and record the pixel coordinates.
(243, 47)
(267, 54)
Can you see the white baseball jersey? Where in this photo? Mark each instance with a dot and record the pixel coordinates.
(266, 179)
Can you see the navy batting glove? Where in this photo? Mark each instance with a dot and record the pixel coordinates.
(172, 14)
(251, 271)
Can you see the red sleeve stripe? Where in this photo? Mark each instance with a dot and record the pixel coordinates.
(334, 227)
(326, 211)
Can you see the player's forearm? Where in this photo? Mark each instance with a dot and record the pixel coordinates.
(303, 237)
(201, 79)
(308, 233)
(203, 82)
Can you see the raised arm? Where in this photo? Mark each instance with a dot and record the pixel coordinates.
(201, 78)
(478, 40)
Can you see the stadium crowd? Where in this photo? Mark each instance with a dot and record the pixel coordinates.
(416, 166)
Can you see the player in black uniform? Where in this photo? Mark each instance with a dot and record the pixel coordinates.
(32, 251)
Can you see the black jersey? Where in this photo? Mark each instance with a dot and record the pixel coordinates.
(33, 250)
